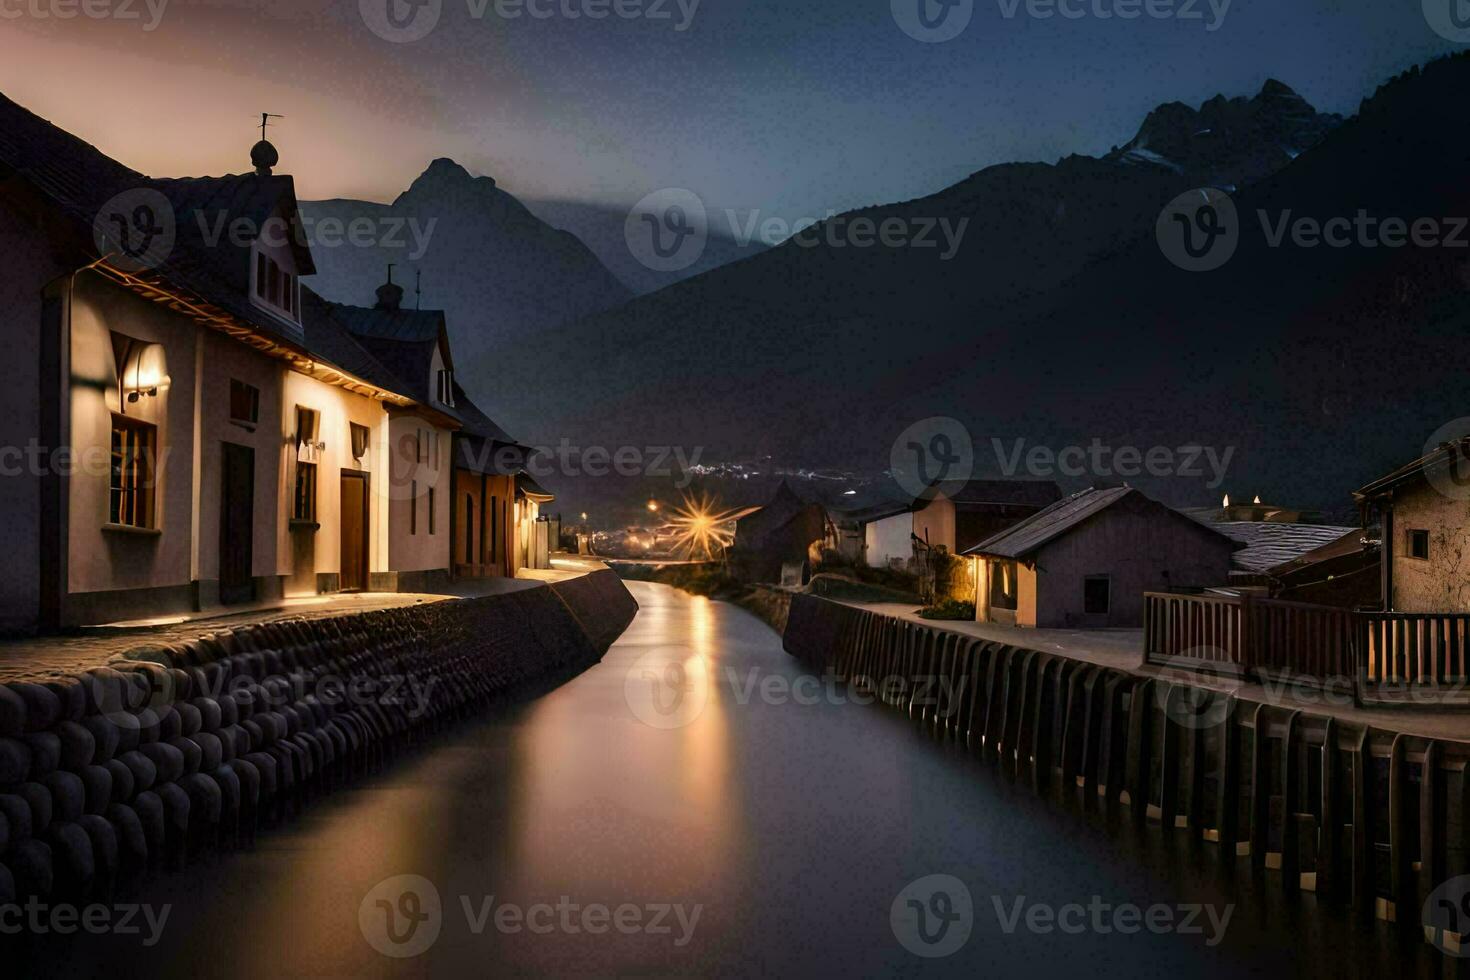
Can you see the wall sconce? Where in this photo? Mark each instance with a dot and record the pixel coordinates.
(145, 371)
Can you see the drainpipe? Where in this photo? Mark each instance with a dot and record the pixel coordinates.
(1385, 555)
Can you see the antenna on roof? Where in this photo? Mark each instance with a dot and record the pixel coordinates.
(390, 272)
(418, 290)
(265, 120)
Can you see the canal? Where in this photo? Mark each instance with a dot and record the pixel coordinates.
(693, 806)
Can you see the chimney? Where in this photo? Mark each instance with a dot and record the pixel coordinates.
(390, 295)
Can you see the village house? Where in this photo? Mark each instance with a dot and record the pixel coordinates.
(784, 535)
(1086, 561)
(200, 428)
(1423, 509)
(954, 519)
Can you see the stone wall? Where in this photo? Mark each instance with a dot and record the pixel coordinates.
(178, 747)
(1322, 801)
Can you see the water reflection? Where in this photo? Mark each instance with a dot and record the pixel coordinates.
(792, 826)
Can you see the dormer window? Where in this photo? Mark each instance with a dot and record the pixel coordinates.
(276, 289)
(446, 388)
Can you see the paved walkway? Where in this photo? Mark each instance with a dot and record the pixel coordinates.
(1123, 650)
(50, 656)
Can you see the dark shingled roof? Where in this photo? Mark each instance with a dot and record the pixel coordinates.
(1268, 543)
(389, 349)
(327, 337)
(1030, 535)
(1028, 493)
(76, 176)
(1442, 457)
(79, 180)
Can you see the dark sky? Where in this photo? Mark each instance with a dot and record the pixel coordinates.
(792, 107)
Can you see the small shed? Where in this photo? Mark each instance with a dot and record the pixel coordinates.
(1087, 560)
(785, 531)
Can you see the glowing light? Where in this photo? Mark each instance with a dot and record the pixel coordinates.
(700, 530)
(1227, 500)
(653, 506)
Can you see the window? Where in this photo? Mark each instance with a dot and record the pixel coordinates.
(1419, 545)
(244, 402)
(359, 440)
(275, 287)
(431, 510)
(306, 442)
(494, 528)
(1097, 595)
(130, 502)
(1003, 585)
(469, 529)
(303, 506)
(413, 507)
(446, 388)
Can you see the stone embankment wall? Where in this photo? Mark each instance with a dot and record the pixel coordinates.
(151, 759)
(1363, 816)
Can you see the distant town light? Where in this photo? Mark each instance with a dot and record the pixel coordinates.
(653, 506)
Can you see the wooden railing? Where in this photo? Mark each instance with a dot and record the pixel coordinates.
(1209, 629)
(1299, 639)
(1252, 635)
(1304, 641)
(1416, 648)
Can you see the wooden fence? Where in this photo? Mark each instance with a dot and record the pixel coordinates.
(1250, 635)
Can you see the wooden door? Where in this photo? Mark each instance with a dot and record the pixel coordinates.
(236, 524)
(354, 510)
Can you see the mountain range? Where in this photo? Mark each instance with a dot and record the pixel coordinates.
(1056, 320)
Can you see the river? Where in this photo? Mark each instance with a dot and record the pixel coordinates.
(693, 806)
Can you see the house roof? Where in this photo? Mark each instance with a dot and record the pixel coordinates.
(882, 510)
(1031, 534)
(209, 276)
(1268, 544)
(74, 175)
(1027, 493)
(1348, 544)
(1440, 458)
(395, 346)
(528, 487)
